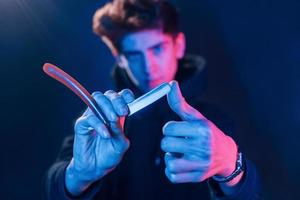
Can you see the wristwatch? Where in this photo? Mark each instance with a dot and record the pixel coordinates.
(240, 166)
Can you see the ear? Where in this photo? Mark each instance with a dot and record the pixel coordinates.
(180, 45)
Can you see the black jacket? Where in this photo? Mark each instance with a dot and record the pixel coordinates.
(140, 175)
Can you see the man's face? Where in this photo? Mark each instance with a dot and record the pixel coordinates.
(151, 56)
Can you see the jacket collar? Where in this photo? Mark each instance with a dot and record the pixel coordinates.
(190, 75)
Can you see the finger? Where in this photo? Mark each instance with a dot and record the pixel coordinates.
(177, 145)
(183, 165)
(186, 128)
(88, 127)
(106, 107)
(118, 102)
(86, 112)
(127, 95)
(188, 177)
(84, 125)
(180, 106)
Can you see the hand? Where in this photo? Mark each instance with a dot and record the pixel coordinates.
(98, 150)
(195, 148)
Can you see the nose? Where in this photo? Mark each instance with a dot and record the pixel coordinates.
(150, 67)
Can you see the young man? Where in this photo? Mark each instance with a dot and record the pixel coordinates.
(144, 156)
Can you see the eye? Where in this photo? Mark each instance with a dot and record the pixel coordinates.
(157, 50)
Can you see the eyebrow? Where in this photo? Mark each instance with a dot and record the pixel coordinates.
(151, 47)
(157, 45)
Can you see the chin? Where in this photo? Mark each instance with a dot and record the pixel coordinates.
(155, 83)
(146, 87)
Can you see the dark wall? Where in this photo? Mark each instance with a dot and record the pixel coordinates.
(252, 52)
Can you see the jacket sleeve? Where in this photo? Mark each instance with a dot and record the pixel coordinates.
(54, 179)
(249, 189)
(250, 185)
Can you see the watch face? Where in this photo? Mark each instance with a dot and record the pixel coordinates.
(239, 162)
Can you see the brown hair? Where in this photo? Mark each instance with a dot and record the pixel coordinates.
(116, 18)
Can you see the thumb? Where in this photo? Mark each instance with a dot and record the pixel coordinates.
(180, 106)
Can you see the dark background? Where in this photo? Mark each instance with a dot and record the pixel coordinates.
(252, 49)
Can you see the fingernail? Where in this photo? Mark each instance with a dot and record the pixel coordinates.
(106, 134)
